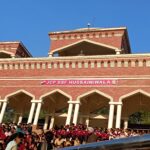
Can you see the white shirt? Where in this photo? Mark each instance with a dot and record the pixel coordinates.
(12, 145)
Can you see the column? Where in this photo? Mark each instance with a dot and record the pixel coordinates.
(87, 121)
(118, 117)
(125, 123)
(32, 109)
(20, 119)
(111, 115)
(38, 109)
(15, 118)
(76, 113)
(69, 113)
(0, 104)
(118, 51)
(46, 122)
(3, 111)
(52, 122)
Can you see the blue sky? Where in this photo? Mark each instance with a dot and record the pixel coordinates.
(30, 21)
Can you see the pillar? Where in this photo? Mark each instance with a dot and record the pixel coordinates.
(111, 115)
(46, 122)
(125, 123)
(0, 104)
(87, 121)
(20, 119)
(32, 109)
(38, 109)
(69, 113)
(52, 122)
(76, 113)
(118, 51)
(3, 111)
(118, 116)
(15, 118)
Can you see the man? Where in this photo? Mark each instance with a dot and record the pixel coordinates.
(15, 139)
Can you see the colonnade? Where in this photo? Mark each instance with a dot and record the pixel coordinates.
(72, 114)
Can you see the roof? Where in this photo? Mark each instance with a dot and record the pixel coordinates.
(89, 30)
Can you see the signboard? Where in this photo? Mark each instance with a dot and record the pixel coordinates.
(79, 82)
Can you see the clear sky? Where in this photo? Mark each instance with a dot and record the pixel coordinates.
(30, 21)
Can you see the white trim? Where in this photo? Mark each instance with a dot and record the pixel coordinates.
(3, 100)
(95, 91)
(36, 101)
(8, 53)
(115, 103)
(88, 29)
(19, 91)
(121, 77)
(54, 91)
(80, 41)
(73, 102)
(93, 57)
(133, 93)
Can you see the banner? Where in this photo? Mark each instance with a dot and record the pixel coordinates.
(79, 82)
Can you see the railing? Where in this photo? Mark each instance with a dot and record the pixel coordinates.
(131, 143)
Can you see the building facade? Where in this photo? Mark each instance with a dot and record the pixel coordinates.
(87, 70)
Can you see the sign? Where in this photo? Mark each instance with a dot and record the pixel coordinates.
(79, 82)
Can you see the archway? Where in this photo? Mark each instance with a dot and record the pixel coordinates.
(54, 108)
(134, 105)
(94, 109)
(18, 106)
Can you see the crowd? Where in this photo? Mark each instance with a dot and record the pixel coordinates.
(21, 137)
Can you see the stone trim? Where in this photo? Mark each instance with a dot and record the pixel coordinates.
(96, 62)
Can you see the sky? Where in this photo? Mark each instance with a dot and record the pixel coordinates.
(30, 21)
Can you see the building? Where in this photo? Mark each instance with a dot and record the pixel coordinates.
(87, 70)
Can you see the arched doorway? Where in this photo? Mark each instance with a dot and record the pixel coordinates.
(18, 106)
(134, 105)
(94, 108)
(54, 108)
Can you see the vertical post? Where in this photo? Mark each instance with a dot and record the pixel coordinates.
(3, 111)
(20, 119)
(118, 117)
(46, 122)
(118, 51)
(87, 121)
(0, 105)
(15, 118)
(32, 109)
(52, 122)
(38, 109)
(70, 107)
(125, 123)
(111, 115)
(76, 113)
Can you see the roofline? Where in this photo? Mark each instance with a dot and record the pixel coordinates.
(17, 42)
(89, 30)
(25, 49)
(127, 56)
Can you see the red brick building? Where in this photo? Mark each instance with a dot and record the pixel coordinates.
(86, 70)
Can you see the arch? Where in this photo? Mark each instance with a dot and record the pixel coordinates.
(95, 91)
(54, 91)
(20, 91)
(133, 93)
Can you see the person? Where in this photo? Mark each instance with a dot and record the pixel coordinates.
(15, 139)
